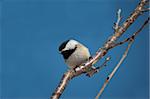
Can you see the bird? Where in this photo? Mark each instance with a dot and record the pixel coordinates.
(74, 53)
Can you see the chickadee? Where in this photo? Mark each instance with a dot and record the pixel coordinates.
(74, 53)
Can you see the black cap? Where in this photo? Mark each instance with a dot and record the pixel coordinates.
(63, 45)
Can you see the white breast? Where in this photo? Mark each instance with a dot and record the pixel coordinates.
(80, 56)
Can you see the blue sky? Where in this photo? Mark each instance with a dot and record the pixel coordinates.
(32, 30)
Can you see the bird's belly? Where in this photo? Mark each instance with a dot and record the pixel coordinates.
(77, 59)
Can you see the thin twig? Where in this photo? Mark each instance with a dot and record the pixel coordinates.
(104, 64)
(133, 36)
(114, 70)
(130, 40)
(145, 9)
(97, 69)
(116, 25)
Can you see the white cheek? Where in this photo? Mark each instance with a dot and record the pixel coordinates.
(68, 47)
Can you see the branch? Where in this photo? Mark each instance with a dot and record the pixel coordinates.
(114, 70)
(130, 40)
(97, 69)
(100, 53)
(145, 9)
(133, 36)
(116, 25)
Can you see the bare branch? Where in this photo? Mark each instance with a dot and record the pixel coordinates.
(131, 37)
(116, 25)
(97, 69)
(130, 40)
(114, 70)
(145, 9)
(104, 64)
